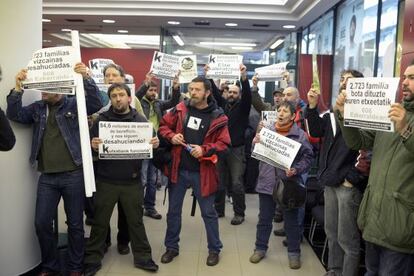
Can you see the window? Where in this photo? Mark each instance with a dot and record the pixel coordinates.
(320, 35)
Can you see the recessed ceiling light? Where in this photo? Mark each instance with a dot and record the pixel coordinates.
(272, 54)
(66, 30)
(123, 31)
(231, 24)
(109, 21)
(183, 52)
(46, 20)
(174, 22)
(289, 26)
(47, 40)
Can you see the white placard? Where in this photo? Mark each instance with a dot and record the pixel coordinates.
(275, 149)
(165, 66)
(188, 68)
(125, 140)
(272, 72)
(224, 67)
(269, 118)
(51, 68)
(96, 66)
(368, 101)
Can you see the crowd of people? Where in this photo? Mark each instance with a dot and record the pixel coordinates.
(366, 176)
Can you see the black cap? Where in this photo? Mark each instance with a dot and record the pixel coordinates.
(280, 91)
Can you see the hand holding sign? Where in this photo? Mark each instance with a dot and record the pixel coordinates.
(148, 78)
(255, 80)
(243, 72)
(95, 143)
(155, 142)
(81, 68)
(340, 102)
(176, 81)
(398, 116)
(20, 77)
(290, 172)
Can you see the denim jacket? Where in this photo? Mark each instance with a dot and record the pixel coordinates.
(66, 117)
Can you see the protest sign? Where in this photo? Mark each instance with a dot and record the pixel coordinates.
(51, 68)
(96, 66)
(269, 118)
(188, 68)
(125, 140)
(224, 67)
(275, 149)
(368, 101)
(165, 66)
(272, 72)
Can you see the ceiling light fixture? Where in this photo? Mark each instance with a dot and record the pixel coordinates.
(272, 54)
(174, 22)
(45, 20)
(183, 52)
(66, 30)
(228, 44)
(109, 21)
(242, 48)
(231, 24)
(289, 26)
(123, 31)
(277, 43)
(178, 39)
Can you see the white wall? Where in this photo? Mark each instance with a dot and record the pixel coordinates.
(21, 34)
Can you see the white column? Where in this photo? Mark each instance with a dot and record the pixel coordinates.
(21, 34)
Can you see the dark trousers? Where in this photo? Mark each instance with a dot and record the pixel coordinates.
(131, 198)
(51, 187)
(231, 168)
(382, 261)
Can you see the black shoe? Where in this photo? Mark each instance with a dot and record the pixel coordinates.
(168, 256)
(123, 249)
(237, 220)
(220, 215)
(284, 242)
(148, 265)
(279, 232)
(278, 217)
(91, 269)
(212, 259)
(152, 214)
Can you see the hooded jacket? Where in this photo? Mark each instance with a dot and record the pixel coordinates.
(118, 171)
(386, 213)
(217, 139)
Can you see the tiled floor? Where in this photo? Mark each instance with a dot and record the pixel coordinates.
(238, 244)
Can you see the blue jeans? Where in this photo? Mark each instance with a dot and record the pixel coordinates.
(344, 239)
(176, 195)
(51, 187)
(264, 227)
(293, 225)
(149, 178)
(294, 229)
(382, 261)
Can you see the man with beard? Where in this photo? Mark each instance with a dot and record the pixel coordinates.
(118, 181)
(56, 148)
(232, 164)
(196, 128)
(385, 215)
(344, 181)
(153, 109)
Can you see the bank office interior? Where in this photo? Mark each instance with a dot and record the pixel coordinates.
(380, 43)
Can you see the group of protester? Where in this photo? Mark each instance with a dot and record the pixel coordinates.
(367, 175)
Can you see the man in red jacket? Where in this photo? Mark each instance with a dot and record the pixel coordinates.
(196, 128)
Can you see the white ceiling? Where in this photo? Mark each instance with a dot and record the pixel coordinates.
(148, 17)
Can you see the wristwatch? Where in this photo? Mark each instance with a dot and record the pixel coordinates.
(406, 133)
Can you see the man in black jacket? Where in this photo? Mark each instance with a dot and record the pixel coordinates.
(153, 109)
(232, 164)
(118, 180)
(344, 184)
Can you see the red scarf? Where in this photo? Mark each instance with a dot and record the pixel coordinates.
(283, 130)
